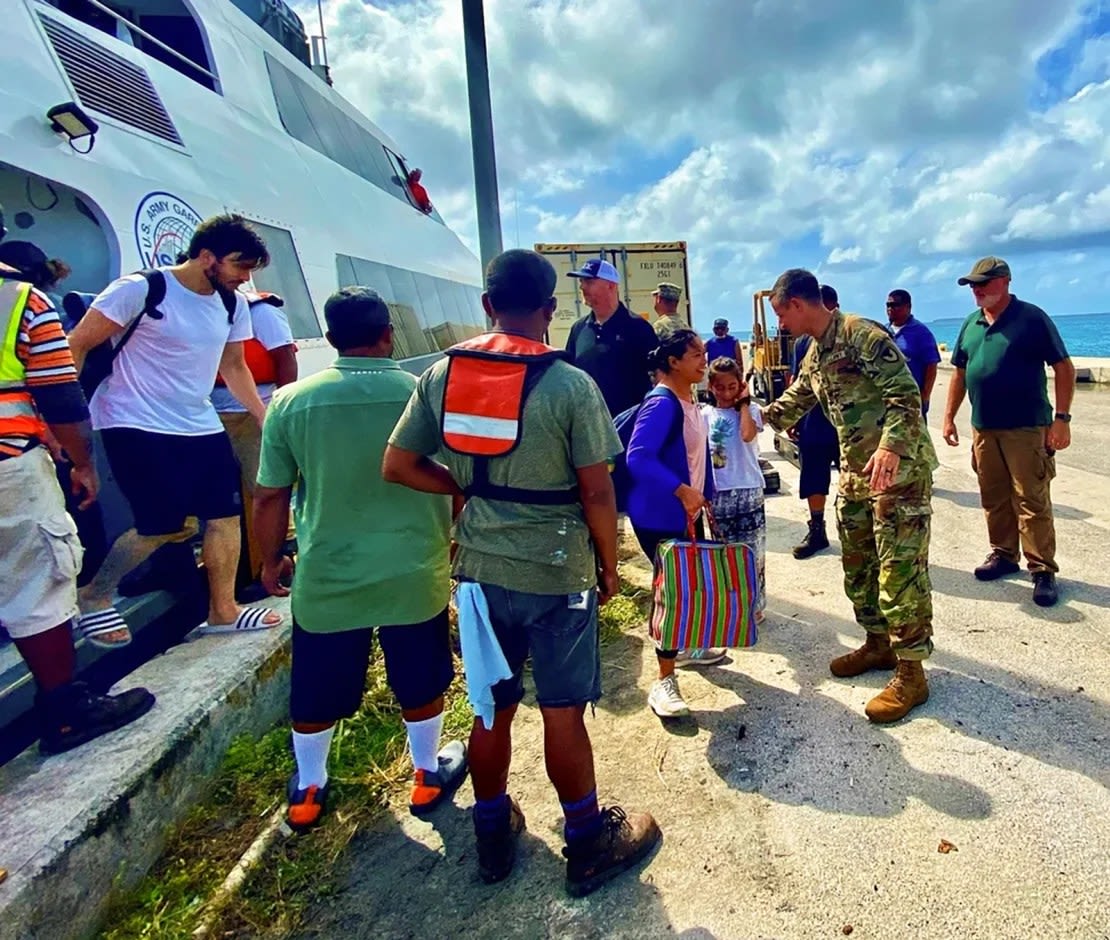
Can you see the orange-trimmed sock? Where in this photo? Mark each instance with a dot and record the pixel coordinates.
(311, 751)
(424, 742)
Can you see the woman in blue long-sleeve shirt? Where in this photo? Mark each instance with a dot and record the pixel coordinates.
(672, 481)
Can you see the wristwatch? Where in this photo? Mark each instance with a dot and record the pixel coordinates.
(1063, 416)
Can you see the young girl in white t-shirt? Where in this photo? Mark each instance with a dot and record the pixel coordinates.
(734, 426)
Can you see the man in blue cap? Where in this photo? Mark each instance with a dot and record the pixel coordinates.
(610, 344)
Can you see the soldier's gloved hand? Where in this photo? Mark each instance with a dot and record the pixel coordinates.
(883, 467)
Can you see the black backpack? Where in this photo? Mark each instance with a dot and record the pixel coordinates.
(98, 361)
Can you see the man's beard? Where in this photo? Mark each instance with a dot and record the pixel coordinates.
(218, 286)
(991, 300)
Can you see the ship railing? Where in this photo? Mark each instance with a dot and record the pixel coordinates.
(152, 39)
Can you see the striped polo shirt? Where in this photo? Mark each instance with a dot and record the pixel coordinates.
(51, 378)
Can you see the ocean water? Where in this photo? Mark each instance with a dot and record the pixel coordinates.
(1084, 334)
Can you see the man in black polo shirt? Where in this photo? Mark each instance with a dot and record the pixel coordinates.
(1000, 357)
(610, 344)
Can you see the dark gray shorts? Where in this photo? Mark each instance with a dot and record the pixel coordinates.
(817, 462)
(560, 633)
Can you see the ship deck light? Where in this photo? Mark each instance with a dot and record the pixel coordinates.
(67, 118)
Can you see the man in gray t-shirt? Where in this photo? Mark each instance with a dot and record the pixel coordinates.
(538, 543)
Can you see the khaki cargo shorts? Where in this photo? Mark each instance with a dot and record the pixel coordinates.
(40, 553)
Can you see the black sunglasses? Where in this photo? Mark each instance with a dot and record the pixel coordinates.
(895, 303)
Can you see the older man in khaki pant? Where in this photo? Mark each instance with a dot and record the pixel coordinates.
(1000, 357)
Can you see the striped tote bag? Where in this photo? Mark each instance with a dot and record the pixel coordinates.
(704, 594)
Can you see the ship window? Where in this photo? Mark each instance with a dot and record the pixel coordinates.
(109, 83)
(463, 305)
(430, 304)
(429, 313)
(399, 174)
(173, 36)
(308, 116)
(284, 276)
(292, 111)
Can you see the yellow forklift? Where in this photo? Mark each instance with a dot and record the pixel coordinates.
(770, 368)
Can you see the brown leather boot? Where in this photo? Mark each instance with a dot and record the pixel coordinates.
(905, 691)
(874, 654)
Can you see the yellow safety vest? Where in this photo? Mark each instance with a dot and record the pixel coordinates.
(18, 416)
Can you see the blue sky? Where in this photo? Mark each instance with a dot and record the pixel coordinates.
(881, 145)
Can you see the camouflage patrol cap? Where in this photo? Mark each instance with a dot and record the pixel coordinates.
(668, 291)
(985, 269)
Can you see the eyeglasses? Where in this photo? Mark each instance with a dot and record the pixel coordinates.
(891, 304)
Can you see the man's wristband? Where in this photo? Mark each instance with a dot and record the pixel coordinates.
(1063, 416)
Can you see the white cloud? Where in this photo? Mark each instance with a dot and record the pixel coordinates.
(887, 138)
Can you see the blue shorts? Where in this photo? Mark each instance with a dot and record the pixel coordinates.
(560, 633)
(329, 669)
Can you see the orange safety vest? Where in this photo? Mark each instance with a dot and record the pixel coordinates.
(258, 358)
(488, 382)
(18, 415)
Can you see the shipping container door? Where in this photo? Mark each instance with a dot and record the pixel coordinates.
(644, 270)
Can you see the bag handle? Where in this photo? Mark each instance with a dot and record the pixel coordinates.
(711, 526)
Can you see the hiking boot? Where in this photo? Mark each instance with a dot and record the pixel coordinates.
(623, 841)
(700, 657)
(306, 807)
(996, 566)
(905, 691)
(497, 850)
(1044, 589)
(430, 788)
(874, 654)
(815, 540)
(73, 714)
(665, 699)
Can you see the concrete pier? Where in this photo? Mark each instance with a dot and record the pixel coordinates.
(785, 814)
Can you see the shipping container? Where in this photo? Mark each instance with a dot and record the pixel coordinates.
(642, 266)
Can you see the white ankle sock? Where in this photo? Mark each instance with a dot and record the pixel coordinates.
(424, 742)
(311, 751)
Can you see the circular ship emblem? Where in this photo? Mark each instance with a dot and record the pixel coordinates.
(163, 226)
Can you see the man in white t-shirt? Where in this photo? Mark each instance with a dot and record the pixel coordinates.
(166, 446)
(271, 356)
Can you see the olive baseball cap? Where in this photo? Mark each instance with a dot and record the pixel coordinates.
(985, 269)
(668, 291)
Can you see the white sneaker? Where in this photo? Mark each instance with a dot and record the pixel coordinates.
(700, 657)
(665, 699)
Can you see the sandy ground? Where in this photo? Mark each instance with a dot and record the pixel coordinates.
(785, 814)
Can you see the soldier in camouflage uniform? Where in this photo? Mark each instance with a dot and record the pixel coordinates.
(860, 379)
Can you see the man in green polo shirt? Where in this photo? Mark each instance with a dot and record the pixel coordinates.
(1000, 357)
(372, 555)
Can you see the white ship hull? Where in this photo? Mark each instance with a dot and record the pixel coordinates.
(134, 199)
